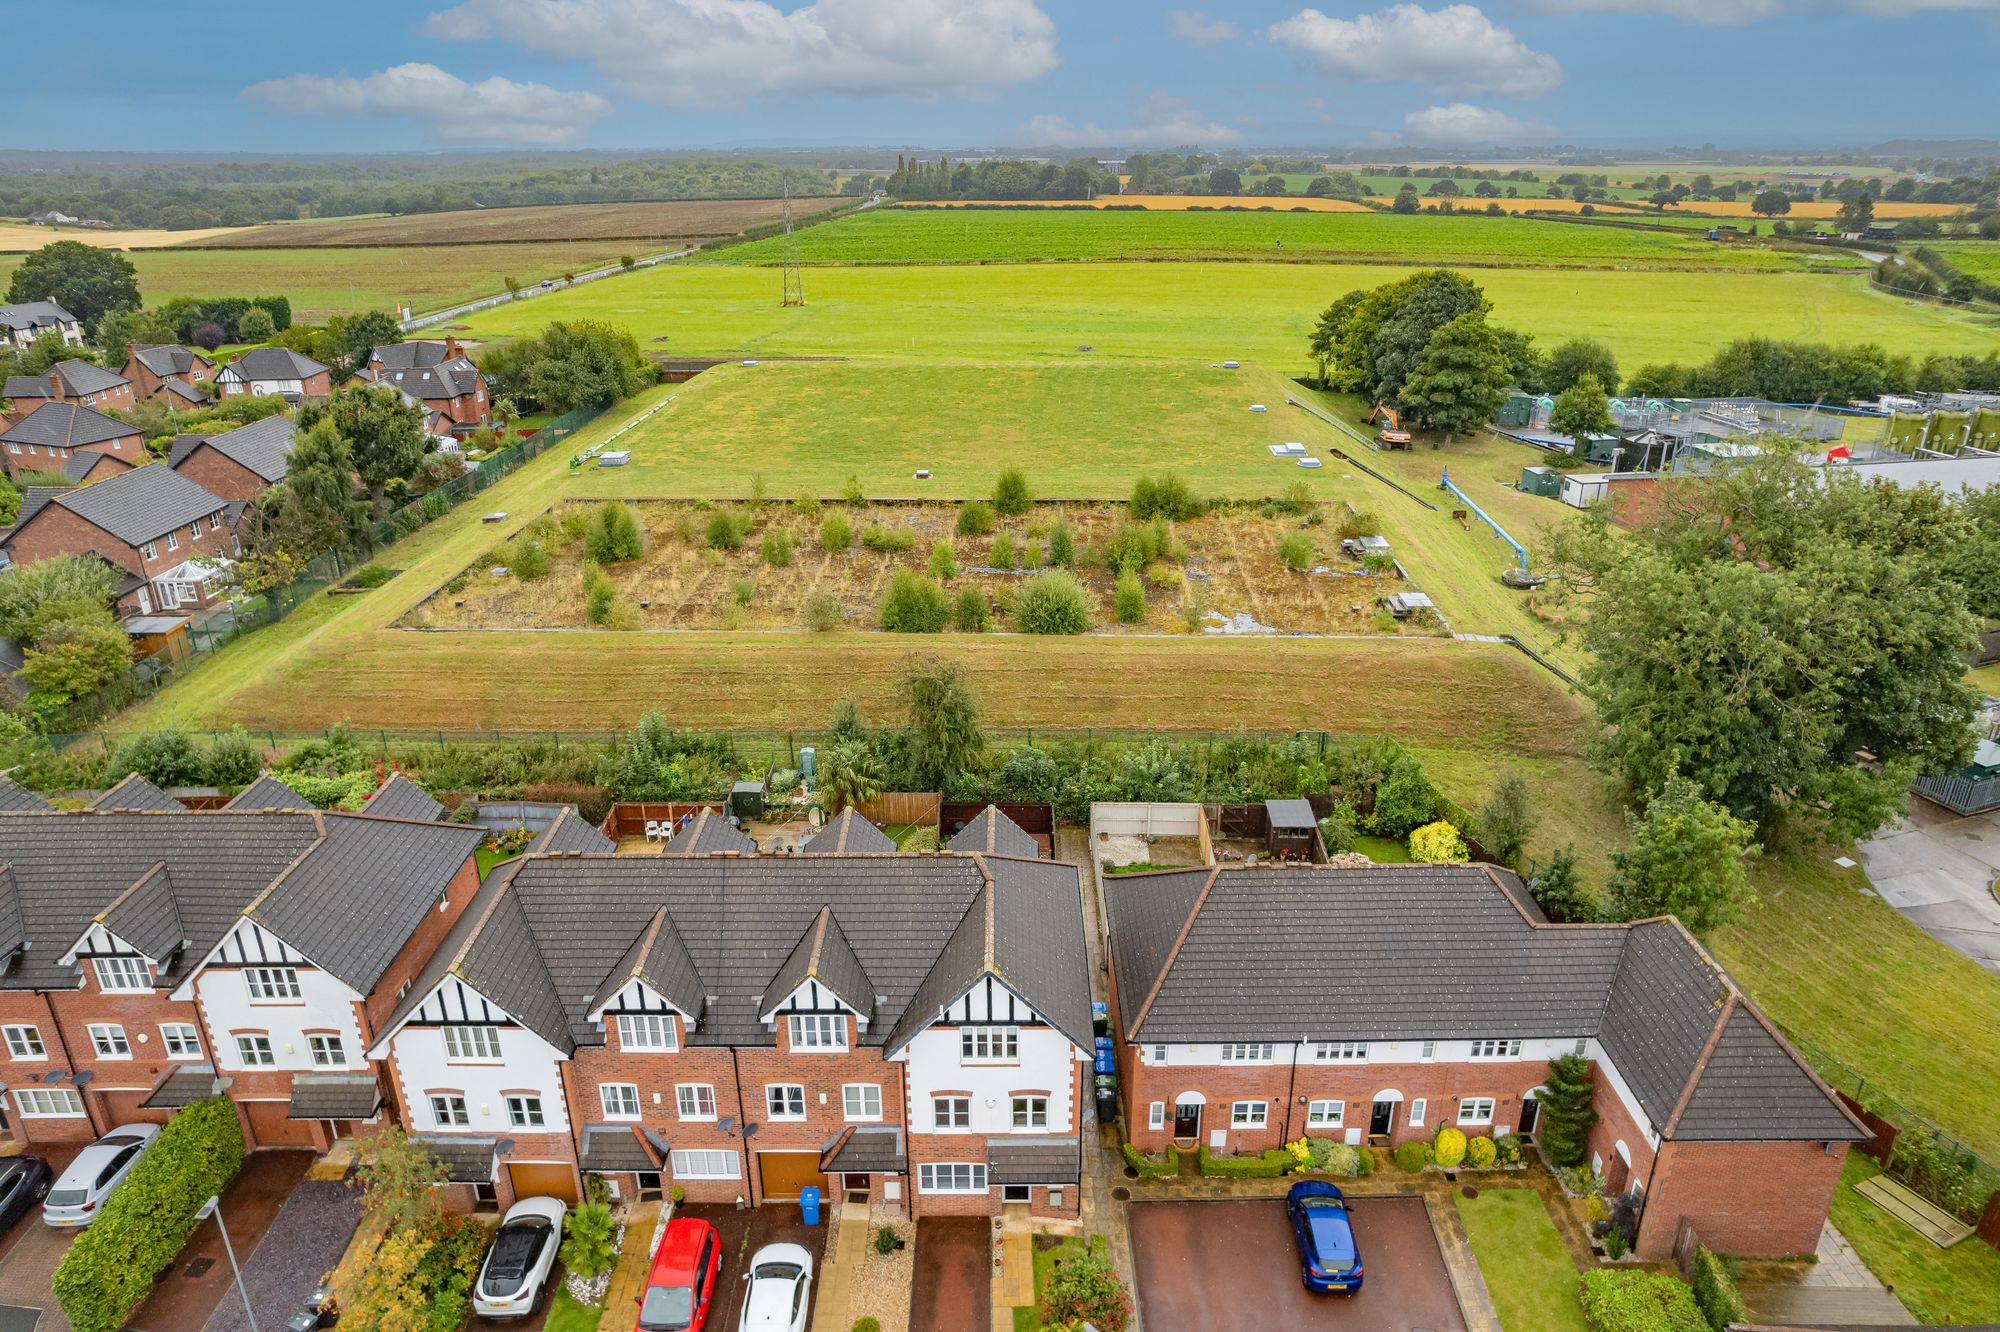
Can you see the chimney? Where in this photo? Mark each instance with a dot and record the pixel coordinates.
(55, 384)
(450, 347)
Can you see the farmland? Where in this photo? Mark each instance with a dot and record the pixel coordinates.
(682, 220)
(1981, 259)
(19, 238)
(902, 236)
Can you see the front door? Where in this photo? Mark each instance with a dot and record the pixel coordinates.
(1187, 1122)
(1531, 1115)
(1381, 1119)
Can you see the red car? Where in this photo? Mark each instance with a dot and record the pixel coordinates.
(686, 1268)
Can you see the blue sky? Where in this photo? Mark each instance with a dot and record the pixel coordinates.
(380, 75)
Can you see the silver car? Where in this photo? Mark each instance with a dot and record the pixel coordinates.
(780, 1293)
(517, 1266)
(74, 1199)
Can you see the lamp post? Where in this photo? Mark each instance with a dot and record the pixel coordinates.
(205, 1211)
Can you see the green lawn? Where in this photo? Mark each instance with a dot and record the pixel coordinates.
(1527, 1270)
(566, 1315)
(1956, 1285)
(1979, 258)
(487, 856)
(1383, 850)
(1066, 1246)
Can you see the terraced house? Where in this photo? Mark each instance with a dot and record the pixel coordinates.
(911, 1028)
(1256, 1006)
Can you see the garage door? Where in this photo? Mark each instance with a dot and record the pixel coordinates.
(543, 1179)
(785, 1173)
(122, 1107)
(269, 1126)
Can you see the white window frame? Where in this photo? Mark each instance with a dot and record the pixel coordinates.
(1496, 1047)
(122, 975)
(785, 1102)
(1476, 1110)
(1034, 1108)
(689, 1098)
(951, 1177)
(1430, 1052)
(619, 1100)
(253, 1050)
(1159, 1052)
(954, 1108)
(989, 1045)
(818, 1033)
(48, 1103)
(1246, 1052)
(150, 550)
(476, 1044)
(652, 1033)
(272, 985)
(525, 1112)
(174, 539)
(327, 1049)
(704, 1163)
(1418, 1109)
(1326, 1114)
(855, 1099)
(448, 1110)
(108, 1040)
(1249, 1114)
(24, 1041)
(1340, 1052)
(1156, 1115)
(181, 1040)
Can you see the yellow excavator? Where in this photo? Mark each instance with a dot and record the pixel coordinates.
(1392, 435)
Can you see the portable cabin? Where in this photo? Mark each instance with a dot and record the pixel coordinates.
(1543, 481)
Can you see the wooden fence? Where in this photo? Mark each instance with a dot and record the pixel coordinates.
(629, 818)
(1883, 1144)
(893, 807)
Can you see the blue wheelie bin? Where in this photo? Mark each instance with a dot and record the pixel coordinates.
(809, 1205)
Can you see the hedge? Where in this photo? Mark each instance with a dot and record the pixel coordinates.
(1715, 1291)
(146, 1222)
(1271, 1165)
(1638, 1302)
(1164, 1166)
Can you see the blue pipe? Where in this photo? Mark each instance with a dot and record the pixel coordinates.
(1520, 551)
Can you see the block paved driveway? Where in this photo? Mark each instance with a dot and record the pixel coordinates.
(743, 1233)
(30, 1252)
(1235, 1264)
(953, 1289)
(1938, 869)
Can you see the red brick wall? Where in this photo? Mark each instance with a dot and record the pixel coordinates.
(934, 1147)
(1757, 1199)
(657, 1075)
(221, 474)
(822, 1075)
(1614, 1124)
(30, 1008)
(57, 531)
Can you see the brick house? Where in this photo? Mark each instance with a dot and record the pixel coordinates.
(166, 369)
(151, 521)
(438, 376)
(46, 439)
(1254, 1006)
(155, 957)
(68, 381)
(238, 464)
(22, 324)
(265, 371)
(913, 1027)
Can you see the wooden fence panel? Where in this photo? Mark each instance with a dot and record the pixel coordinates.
(1884, 1142)
(919, 807)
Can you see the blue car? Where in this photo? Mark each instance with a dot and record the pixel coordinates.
(1330, 1261)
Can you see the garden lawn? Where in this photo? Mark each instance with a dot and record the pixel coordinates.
(1067, 1246)
(1959, 1285)
(566, 1315)
(1527, 1270)
(1383, 850)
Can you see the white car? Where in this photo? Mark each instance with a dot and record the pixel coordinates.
(517, 1267)
(780, 1294)
(99, 1168)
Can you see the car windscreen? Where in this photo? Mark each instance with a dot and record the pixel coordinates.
(67, 1197)
(775, 1272)
(667, 1308)
(514, 1253)
(1332, 1236)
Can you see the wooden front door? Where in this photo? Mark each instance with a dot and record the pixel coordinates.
(1531, 1115)
(1187, 1122)
(785, 1173)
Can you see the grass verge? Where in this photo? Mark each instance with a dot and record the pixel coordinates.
(1527, 1270)
(1959, 1285)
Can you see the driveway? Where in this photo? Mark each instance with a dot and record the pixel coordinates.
(30, 1252)
(201, 1277)
(953, 1290)
(743, 1233)
(1938, 868)
(1234, 1264)
(304, 1242)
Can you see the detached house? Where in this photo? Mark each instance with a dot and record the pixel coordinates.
(22, 324)
(238, 464)
(265, 371)
(166, 370)
(49, 437)
(912, 1029)
(68, 381)
(1253, 1006)
(438, 376)
(174, 536)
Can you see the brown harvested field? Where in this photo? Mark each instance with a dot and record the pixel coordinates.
(1213, 572)
(685, 219)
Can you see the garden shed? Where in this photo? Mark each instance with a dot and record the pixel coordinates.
(1290, 835)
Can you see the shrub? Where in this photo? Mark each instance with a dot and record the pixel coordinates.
(867, 1325)
(968, 614)
(1338, 829)
(1715, 1291)
(1269, 1165)
(852, 491)
(600, 595)
(1567, 1116)
(943, 564)
(1413, 1156)
(1506, 819)
(1638, 1302)
(1031, 555)
(1164, 497)
(1509, 1149)
(777, 549)
(233, 759)
(923, 839)
(1480, 1153)
(885, 1240)
(1404, 802)
(914, 604)
(823, 612)
(1448, 1148)
(1295, 551)
(1010, 493)
(742, 591)
(1086, 1289)
(1052, 603)
(144, 1224)
(806, 505)
(835, 534)
(1164, 1166)
(679, 1195)
(975, 518)
(164, 758)
(1129, 602)
(1936, 1172)
(1437, 843)
(1062, 544)
(888, 540)
(587, 1235)
(371, 575)
(1002, 556)
(613, 535)
(725, 531)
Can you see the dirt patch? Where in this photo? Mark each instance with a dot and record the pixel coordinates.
(1211, 575)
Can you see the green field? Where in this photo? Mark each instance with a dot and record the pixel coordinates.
(1249, 312)
(1959, 1286)
(1981, 259)
(958, 235)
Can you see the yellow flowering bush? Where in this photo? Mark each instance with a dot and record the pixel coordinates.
(1437, 842)
(1449, 1147)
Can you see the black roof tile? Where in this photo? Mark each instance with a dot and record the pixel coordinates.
(996, 834)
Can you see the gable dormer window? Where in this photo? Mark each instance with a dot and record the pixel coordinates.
(122, 975)
(272, 985)
(646, 1031)
(989, 1045)
(826, 1032)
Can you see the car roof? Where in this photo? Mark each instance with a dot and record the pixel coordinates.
(679, 1249)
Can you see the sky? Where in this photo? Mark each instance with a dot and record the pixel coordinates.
(381, 75)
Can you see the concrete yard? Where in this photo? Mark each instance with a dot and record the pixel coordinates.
(1938, 869)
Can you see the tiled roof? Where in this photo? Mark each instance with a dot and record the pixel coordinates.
(401, 798)
(660, 958)
(14, 796)
(183, 1086)
(709, 834)
(466, 1160)
(571, 832)
(267, 363)
(20, 388)
(67, 425)
(264, 446)
(823, 955)
(995, 834)
(148, 916)
(80, 465)
(167, 358)
(34, 314)
(848, 832)
(873, 1149)
(1658, 1015)
(267, 792)
(188, 395)
(1033, 1161)
(80, 377)
(615, 1147)
(446, 379)
(138, 506)
(1749, 1083)
(334, 1096)
(135, 792)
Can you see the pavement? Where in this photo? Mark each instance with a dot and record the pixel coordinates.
(954, 1285)
(1938, 868)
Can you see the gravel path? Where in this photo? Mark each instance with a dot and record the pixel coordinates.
(303, 1244)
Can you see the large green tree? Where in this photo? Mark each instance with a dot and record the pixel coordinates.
(85, 280)
(945, 735)
(578, 363)
(363, 333)
(1433, 300)
(384, 434)
(1581, 410)
(1857, 214)
(315, 510)
(1686, 859)
(1460, 381)
(1579, 357)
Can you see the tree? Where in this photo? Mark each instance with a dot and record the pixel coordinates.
(1506, 819)
(1558, 891)
(1581, 410)
(1052, 602)
(1568, 1112)
(73, 660)
(117, 331)
(397, 1178)
(256, 326)
(1525, 361)
(1771, 203)
(1857, 214)
(1011, 495)
(363, 333)
(1406, 200)
(1686, 859)
(48, 591)
(853, 775)
(313, 511)
(1418, 307)
(85, 280)
(1084, 1289)
(1461, 379)
(1224, 180)
(384, 433)
(914, 604)
(943, 716)
(1579, 357)
(572, 364)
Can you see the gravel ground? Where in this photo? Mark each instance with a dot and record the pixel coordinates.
(303, 1244)
(881, 1286)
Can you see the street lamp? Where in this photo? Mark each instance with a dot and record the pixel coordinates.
(202, 1213)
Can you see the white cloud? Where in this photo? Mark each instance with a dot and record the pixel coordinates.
(1162, 121)
(1455, 49)
(1737, 13)
(1194, 26)
(1460, 124)
(451, 110)
(701, 52)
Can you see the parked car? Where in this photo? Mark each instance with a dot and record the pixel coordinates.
(24, 1181)
(1330, 1261)
(98, 1169)
(780, 1293)
(517, 1267)
(681, 1286)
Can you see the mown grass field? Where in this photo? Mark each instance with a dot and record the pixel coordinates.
(1979, 258)
(927, 235)
(683, 219)
(1249, 312)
